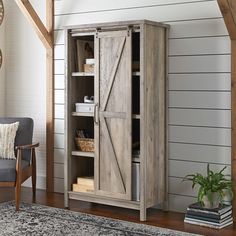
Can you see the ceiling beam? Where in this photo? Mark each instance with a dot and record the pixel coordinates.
(46, 35)
(29, 12)
(228, 10)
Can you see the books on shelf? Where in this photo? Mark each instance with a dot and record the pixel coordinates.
(84, 184)
(217, 218)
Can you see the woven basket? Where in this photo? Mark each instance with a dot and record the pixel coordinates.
(85, 144)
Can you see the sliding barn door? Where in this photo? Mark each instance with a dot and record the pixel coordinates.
(113, 155)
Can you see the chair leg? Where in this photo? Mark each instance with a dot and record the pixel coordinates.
(17, 194)
(18, 180)
(34, 175)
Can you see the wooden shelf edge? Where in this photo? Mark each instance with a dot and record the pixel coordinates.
(93, 197)
(87, 114)
(82, 74)
(82, 154)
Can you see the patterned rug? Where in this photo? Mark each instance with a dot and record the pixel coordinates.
(33, 219)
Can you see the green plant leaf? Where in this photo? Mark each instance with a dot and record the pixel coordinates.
(212, 182)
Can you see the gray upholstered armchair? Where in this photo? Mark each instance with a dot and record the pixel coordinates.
(14, 172)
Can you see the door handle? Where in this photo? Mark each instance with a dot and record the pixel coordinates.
(95, 116)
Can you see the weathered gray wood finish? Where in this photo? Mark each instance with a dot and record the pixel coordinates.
(153, 116)
(113, 158)
(112, 120)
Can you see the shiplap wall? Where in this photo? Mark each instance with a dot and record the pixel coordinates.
(26, 77)
(2, 70)
(199, 82)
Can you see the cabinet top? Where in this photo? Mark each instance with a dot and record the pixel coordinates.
(116, 24)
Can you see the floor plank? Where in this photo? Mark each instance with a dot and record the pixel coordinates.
(158, 218)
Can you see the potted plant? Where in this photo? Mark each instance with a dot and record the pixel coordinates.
(212, 188)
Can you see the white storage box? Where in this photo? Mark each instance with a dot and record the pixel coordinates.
(90, 61)
(84, 107)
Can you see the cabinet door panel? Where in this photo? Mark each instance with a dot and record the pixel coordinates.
(113, 132)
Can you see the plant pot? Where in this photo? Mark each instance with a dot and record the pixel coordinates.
(215, 201)
(227, 197)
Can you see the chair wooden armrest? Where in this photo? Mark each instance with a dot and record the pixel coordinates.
(29, 146)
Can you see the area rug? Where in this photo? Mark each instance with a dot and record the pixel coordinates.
(33, 219)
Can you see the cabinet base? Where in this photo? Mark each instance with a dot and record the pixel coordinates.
(88, 197)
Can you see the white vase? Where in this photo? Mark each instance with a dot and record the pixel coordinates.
(227, 197)
(215, 202)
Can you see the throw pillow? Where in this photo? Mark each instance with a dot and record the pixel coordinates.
(7, 140)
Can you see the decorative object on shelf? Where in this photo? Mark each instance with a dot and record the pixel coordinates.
(83, 142)
(88, 68)
(85, 50)
(1, 12)
(0, 58)
(88, 99)
(84, 107)
(89, 65)
(212, 187)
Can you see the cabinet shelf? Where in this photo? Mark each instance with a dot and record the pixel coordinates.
(82, 154)
(86, 114)
(82, 74)
(91, 114)
(92, 197)
(135, 158)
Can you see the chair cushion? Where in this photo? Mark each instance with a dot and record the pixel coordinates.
(8, 169)
(24, 133)
(7, 140)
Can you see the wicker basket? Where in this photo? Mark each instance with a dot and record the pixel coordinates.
(85, 144)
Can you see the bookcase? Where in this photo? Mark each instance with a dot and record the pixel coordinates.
(122, 68)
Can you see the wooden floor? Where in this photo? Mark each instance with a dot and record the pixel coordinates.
(158, 218)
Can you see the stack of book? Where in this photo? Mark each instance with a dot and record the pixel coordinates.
(217, 218)
(84, 184)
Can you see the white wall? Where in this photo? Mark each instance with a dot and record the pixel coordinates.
(199, 81)
(25, 77)
(2, 70)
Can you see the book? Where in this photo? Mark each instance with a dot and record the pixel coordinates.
(211, 225)
(89, 181)
(82, 188)
(207, 215)
(197, 207)
(208, 219)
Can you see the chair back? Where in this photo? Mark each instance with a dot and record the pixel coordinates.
(24, 134)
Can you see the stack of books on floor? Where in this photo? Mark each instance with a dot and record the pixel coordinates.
(84, 184)
(217, 218)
